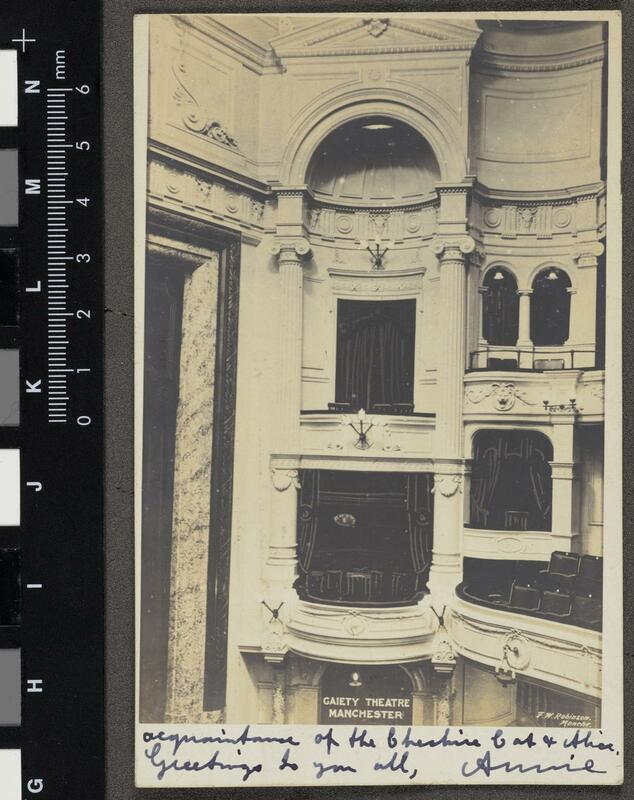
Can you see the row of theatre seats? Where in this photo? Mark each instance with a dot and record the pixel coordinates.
(570, 590)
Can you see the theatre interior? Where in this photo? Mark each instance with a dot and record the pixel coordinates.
(374, 271)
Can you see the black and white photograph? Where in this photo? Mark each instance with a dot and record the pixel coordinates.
(377, 366)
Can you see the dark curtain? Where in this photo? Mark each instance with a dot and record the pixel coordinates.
(550, 308)
(511, 478)
(307, 518)
(421, 517)
(500, 312)
(375, 352)
(539, 471)
(487, 461)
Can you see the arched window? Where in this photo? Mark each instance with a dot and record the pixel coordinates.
(500, 308)
(511, 483)
(550, 308)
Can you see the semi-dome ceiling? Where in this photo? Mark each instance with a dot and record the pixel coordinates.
(373, 162)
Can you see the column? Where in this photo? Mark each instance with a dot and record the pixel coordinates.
(446, 569)
(290, 255)
(191, 510)
(281, 565)
(524, 341)
(583, 329)
(565, 496)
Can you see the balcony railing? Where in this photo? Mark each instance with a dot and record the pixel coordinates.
(535, 359)
(361, 587)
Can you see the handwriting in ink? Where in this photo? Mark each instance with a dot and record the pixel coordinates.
(396, 764)
(585, 740)
(286, 763)
(362, 739)
(163, 766)
(485, 766)
(441, 741)
(323, 768)
(177, 740)
(327, 737)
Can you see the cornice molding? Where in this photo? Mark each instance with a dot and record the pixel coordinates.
(260, 58)
(435, 36)
(507, 62)
(179, 159)
(533, 198)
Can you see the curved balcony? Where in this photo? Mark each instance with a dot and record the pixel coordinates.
(361, 635)
(531, 359)
(521, 394)
(515, 644)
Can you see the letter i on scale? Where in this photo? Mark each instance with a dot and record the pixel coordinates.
(51, 324)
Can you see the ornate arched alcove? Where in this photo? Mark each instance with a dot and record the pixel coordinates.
(424, 112)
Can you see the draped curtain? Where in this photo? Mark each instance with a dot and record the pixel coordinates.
(307, 518)
(374, 353)
(421, 515)
(487, 462)
(511, 473)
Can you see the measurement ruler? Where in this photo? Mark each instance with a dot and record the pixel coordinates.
(59, 334)
(61, 265)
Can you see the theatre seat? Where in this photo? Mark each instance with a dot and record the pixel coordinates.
(523, 598)
(590, 578)
(555, 605)
(561, 573)
(587, 610)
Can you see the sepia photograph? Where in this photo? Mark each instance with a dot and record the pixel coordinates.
(377, 373)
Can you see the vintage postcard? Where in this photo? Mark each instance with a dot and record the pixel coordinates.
(377, 370)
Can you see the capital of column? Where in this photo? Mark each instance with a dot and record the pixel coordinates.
(291, 250)
(586, 255)
(453, 249)
(524, 292)
(283, 479)
(563, 470)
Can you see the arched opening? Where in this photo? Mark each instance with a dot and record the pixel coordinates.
(373, 161)
(550, 308)
(511, 482)
(367, 695)
(500, 308)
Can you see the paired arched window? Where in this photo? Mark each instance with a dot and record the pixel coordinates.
(511, 482)
(550, 308)
(500, 312)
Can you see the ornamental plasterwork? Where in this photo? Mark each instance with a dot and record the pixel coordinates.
(447, 485)
(543, 219)
(354, 623)
(368, 282)
(194, 116)
(503, 395)
(194, 191)
(356, 223)
(375, 27)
